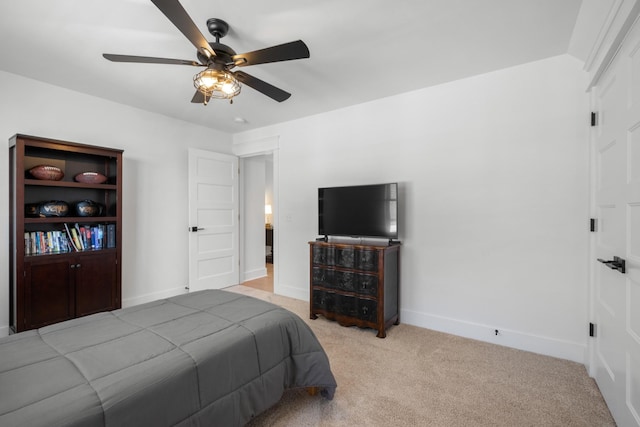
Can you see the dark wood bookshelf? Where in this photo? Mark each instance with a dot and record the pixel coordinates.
(50, 287)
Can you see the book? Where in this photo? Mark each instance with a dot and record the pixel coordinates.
(50, 243)
(111, 235)
(86, 237)
(98, 233)
(95, 242)
(34, 242)
(42, 244)
(27, 243)
(70, 238)
(73, 237)
(79, 236)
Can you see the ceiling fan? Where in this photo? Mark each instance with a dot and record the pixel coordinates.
(217, 80)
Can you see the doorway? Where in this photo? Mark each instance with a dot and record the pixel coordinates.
(259, 212)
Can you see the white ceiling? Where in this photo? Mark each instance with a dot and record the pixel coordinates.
(361, 50)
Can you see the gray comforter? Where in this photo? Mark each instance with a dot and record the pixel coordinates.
(208, 358)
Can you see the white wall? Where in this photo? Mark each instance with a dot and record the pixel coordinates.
(155, 246)
(494, 182)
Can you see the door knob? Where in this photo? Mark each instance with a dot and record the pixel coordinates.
(195, 229)
(616, 263)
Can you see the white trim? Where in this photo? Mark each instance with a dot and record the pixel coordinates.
(293, 292)
(611, 53)
(257, 147)
(142, 299)
(254, 274)
(536, 344)
(604, 30)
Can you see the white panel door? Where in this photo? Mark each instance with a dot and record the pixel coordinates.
(616, 356)
(213, 220)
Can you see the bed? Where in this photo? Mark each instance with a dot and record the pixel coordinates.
(207, 358)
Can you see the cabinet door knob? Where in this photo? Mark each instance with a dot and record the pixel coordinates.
(77, 265)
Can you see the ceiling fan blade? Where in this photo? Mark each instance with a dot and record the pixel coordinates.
(282, 52)
(198, 98)
(181, 19)
(149, 60)
(262, 86)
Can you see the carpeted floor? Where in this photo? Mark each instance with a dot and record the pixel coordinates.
(419, 377)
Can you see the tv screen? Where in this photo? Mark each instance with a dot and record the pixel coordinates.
(359, 211)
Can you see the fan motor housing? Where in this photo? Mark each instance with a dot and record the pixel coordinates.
(223, 55)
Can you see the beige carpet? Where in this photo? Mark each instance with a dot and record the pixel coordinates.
(418, 377)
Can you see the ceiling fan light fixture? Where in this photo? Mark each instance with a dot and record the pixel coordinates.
(216, 84)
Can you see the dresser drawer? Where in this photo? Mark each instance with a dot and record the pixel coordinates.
(358, 308)
(366, 284)
(367, 260)
(323, 255)
(357, 259)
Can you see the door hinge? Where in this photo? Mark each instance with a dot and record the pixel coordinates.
(593, 224)
(594, 118)
(592, 330)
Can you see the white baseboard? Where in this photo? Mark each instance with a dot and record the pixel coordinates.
(254, 274)
(291, 292)
(506, 337)
(142, 299)
(4, 331)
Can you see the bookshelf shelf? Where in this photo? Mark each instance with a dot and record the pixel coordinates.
(41, 183)
(70, 220)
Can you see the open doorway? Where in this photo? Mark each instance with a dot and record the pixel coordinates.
(258, 222)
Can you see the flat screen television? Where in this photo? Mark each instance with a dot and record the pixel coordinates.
(359, 211)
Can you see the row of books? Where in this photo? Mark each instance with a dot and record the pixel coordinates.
(74, 238)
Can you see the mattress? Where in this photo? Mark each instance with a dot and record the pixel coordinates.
(205, 358)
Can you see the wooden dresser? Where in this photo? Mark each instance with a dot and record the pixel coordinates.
(355, 284)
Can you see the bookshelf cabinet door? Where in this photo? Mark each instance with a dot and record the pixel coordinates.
(96, 282)
(49, 296)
